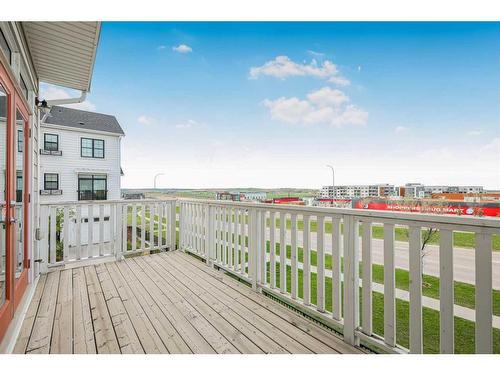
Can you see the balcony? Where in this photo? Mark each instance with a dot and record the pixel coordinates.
(228, 288)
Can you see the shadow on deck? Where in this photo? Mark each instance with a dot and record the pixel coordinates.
(163, 303)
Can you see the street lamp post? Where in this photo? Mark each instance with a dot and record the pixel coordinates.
(333, 179)
(156, 176)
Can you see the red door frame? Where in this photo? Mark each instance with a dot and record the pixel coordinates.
(22, 281)
(14, 289)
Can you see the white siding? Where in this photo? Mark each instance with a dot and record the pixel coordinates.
(71, 163)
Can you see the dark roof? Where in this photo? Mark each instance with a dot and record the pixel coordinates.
(76, 118)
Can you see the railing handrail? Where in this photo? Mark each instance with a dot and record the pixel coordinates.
(485, 222)
(107, 201)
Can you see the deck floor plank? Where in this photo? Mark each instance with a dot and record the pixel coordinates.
(217, 320)
(39, 342)
(170, 337)
(83, 328)
(105, 337)
(266, 336)
(180, 318)
(310, 334)
(163, 303)
(124, 330)
(62, 331)
(148, 337)
(29, 320)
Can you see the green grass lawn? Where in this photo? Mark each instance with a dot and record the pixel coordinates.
(464, 329)
(464, 293)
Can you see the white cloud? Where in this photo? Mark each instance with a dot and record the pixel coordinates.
(283, 67)
(161, 47)
(475, 132)
(324, 106)
(182, 48)
(145, 120)
(327, 96)
(187, 125)
(51, 92)
(492, 147)
(315, 54)
(400, 129)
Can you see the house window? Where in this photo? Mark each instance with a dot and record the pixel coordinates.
(51, 181)
(24, 88)
(92, 148)
(19, 186)
(50, 142)
(4, 46)
(92, 187)
(20, 140)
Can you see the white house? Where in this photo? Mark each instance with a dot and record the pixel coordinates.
(79, 156)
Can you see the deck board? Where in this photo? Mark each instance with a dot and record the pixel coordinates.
(163, 303)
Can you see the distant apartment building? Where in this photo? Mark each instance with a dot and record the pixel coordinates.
(418, 190)
(240, 196)
(357, 191)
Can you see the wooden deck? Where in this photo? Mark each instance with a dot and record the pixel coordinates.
(163, 303)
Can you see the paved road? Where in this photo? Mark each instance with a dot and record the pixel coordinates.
(463, 266)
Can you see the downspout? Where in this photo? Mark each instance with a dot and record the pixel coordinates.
(80, 99)
(54, 102)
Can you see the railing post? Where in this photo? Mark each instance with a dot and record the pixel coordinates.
(210, 235)
(351, 279)
(253, 247)
(181, 226)
(173, 225)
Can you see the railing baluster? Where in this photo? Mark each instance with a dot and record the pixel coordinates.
(253, 248)
(272, 250)
(52, 243)
(367, 277)
(294, 261)
(336, 269)
(237, 238)
(243, 226)
(143, 226)
(263, 247)
(151, 227)
(101, 230)
(44, 243)
(389, 286)
(351, 279)
(230, 238)
(160, 226)
(226, 237)
(484, 307)
(112, 228)
(78, 234)
(124, 216)
(282, 252)
(173, 224)
(306, 279)
(446, 292)
(90, 231)
(134, 227)
(320, 268)
(66, 239)
(415, 259)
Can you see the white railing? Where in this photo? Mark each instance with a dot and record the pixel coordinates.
(118, 228)
(322, 276)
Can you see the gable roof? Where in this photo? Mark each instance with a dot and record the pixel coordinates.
(79, 119)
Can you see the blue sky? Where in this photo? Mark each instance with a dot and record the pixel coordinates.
(269, 104)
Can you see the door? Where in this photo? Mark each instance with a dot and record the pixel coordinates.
(14, 197)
